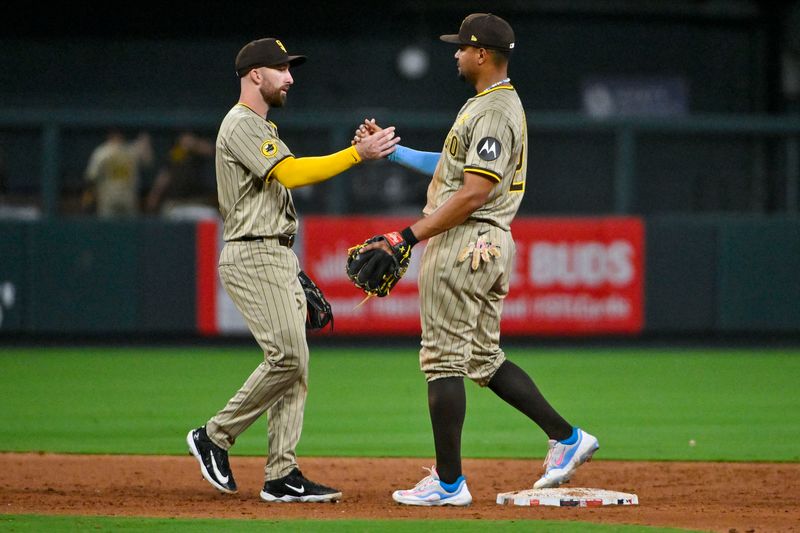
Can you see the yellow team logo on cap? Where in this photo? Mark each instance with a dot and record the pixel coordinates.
(474, 39)
(269, 148)
(280, 44)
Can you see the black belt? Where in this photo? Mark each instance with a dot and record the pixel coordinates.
(283, 240)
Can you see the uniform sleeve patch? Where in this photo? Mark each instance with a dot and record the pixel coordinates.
(269, 148)
(489, 148)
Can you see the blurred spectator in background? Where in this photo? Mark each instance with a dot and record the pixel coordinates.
(113, 174)
(178, 190)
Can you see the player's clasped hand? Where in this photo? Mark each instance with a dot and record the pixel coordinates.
(369, 126)
(378, 144)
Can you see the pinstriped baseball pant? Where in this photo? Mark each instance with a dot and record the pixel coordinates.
(460, 308)
(261, 279)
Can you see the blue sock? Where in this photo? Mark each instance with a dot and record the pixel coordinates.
(572, 439)
(451, 487)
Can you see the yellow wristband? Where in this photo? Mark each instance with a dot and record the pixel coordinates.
(354, 153)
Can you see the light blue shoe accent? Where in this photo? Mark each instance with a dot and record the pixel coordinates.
(454, 486)
(572, 438)
(563, 459)
(430, 491)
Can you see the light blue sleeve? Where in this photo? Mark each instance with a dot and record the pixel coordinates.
(424, 162)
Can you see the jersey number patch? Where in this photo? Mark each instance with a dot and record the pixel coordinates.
(452, 145)
(489, 148)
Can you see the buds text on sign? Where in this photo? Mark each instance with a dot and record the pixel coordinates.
(586, 263)
(571, 276)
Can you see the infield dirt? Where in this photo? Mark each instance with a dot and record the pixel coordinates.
(724, 497)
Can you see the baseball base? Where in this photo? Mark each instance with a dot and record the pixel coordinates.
(562, 497)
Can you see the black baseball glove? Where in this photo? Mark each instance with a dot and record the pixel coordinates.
(375, 271)
(318, 309)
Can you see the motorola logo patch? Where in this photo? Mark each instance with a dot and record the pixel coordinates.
(489, 148)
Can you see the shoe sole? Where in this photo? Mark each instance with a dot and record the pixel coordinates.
(203, 470)
(315, 498)
(585, 458)
(432, 503)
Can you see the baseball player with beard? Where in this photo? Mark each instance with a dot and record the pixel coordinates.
(255, 172)
(477, 184)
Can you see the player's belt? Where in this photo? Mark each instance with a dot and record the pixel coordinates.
(283, 240)
(471, 220)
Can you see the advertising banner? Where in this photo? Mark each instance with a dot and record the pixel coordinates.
(610, 96)
(325, 243)
(576, 276)
(572, 276)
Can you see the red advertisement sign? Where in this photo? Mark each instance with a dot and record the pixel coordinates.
(572, 276)
(576, 276)
(325, 242)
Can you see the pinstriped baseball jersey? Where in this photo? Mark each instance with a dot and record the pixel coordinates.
(489, 138)
(461, 304)
(248, 148)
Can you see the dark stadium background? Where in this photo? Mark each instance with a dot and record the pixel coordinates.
(715, 181)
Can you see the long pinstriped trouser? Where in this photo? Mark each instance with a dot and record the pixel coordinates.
(460, 307)
(261, 279)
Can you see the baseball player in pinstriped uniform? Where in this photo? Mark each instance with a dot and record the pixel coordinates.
(477, 186)
(258, 269)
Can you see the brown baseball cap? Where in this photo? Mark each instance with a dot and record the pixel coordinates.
(483, 30)
(266, 52)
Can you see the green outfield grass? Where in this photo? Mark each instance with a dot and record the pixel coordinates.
(642, 404)
(24, 523)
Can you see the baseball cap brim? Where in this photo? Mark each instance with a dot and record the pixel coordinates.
(292, 60)
(452, 39)
(455, 39)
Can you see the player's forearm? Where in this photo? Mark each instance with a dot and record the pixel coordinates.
(424, 162)
(456, 209)
(452, 213)
(300, 172)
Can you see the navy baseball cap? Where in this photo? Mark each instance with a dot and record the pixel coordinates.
(266, 52)
(483, 30)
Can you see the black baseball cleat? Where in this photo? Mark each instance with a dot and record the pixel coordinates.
(296, 488)
(213, 460)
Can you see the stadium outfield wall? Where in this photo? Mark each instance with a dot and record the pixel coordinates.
(574, 276)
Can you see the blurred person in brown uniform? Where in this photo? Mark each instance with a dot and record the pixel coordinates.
(113, 174)
(178, 189)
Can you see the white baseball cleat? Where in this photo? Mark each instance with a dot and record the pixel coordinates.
(563, 459)
(429, 492)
